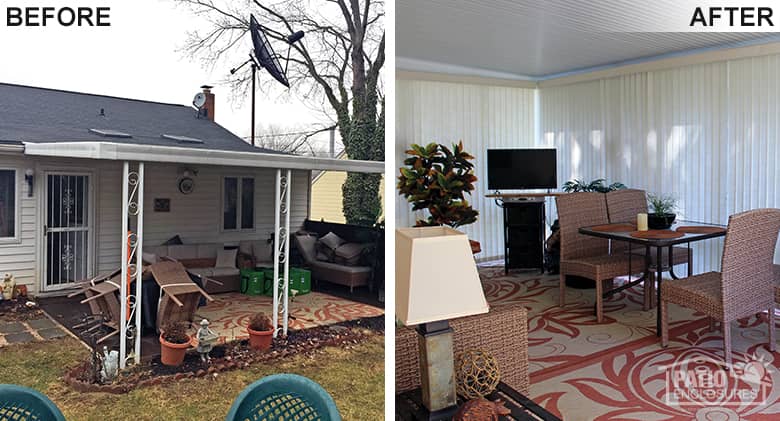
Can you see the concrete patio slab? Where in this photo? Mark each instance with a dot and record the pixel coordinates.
(19, 338)
(11, 327)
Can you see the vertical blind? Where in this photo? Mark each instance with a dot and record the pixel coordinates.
(707, 134)
(483, 117)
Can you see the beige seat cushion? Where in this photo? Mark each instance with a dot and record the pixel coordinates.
(183, 251)
(226, 258)
(218, 272)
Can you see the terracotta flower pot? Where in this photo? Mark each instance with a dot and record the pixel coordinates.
(260, 339)
(172, 354)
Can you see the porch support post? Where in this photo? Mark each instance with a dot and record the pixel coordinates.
(281, 250)
(131, 258)
(139, 248)
(286, 241)
(124, 260)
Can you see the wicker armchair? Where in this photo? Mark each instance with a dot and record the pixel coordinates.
(622, 207)
(745, 285)
(502, 332)
(777, 284)
(587, 256)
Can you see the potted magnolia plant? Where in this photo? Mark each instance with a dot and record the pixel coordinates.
(174, 342)
(663, 207)
(436, 178)
(261, 332)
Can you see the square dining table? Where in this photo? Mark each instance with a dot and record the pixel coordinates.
(682, 232)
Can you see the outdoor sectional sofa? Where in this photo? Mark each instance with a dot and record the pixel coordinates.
(502, 333)
(200, 259)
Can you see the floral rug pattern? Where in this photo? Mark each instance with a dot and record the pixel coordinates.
(229, 313)
(617, 370)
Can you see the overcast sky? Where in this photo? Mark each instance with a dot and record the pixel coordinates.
(136, 57)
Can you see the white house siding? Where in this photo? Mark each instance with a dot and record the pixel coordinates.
(195, 217)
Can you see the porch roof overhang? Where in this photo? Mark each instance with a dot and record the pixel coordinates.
(150, 153)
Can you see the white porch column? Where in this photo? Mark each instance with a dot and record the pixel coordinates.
(131, 258)
(281, 250)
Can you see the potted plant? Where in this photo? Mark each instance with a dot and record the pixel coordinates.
(598, 185)
(260, 332)
(663, 207)
(437, 179)
(174, 342)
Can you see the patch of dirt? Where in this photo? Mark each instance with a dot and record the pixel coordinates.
(15, 310)
(232, 355)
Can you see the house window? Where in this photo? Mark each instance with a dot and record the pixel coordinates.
(238, 203)
(7, 204)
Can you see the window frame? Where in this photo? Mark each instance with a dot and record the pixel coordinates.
(16, 238)
(239, 203)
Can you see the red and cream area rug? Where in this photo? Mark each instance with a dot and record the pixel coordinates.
(229, 313)
(617, 370)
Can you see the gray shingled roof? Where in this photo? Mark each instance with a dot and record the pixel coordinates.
(30, 114)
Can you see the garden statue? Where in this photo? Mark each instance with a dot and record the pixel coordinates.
(110, 363)
(9, 285)
(206, 338)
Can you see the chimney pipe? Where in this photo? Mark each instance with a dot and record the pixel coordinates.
(208, 107)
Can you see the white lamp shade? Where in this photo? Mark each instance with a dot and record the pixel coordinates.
(435, 276)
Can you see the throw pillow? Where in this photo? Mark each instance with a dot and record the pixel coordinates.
(349, 254)
(149, 257)
(226, 258)
(324, 252)
(332, 240)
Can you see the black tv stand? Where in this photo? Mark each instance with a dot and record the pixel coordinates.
(524, 230)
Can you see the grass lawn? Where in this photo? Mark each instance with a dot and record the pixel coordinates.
(353, 376)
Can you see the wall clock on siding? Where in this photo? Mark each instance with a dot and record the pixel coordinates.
(186, 185)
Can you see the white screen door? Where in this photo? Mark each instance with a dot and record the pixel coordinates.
(67, 230)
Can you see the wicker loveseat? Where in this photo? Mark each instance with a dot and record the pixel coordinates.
(502, 332)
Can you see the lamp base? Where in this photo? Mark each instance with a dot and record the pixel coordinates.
(437, 368)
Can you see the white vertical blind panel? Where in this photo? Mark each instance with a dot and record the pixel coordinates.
(483, 117)
(754, 140)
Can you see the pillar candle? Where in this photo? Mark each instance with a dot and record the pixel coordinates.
(641, 222)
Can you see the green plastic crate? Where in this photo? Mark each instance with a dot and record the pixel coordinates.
(252, 282)
(300, 280)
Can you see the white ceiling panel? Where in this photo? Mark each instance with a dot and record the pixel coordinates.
(537, 38)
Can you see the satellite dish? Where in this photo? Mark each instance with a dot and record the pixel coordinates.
(199, 101)
(264, 55)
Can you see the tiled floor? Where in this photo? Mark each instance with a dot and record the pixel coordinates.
(32, 330)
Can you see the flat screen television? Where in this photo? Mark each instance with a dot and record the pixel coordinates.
(520, 169)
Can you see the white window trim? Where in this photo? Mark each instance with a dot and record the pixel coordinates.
(17, 238)
(238, 204)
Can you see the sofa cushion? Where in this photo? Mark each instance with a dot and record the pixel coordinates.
(349, 253)
(219, 272)
(150, 258)
(342, 268)
(209, 250)
(226, 258)
(206, 272)
(307, 246)
(198, 263)
(184, 251)
(158, 250)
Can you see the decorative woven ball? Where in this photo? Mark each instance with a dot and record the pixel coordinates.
(476, 373)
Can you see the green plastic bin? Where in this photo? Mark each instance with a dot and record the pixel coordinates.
(300, 280)
(252, 282)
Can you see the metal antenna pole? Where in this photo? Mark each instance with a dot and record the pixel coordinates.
(254, 72)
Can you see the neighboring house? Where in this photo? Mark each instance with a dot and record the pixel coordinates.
(327, 200)
(65, 158)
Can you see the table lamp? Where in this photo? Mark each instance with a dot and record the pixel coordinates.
(436, 280)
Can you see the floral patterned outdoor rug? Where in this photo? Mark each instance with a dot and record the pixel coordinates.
(582, 370)
(229, 313)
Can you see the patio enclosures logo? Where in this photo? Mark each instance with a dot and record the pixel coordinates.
(706, 382)
(41, 16)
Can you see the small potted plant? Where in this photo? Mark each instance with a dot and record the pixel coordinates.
(174, 342)
(663, 207)
(260, 332)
